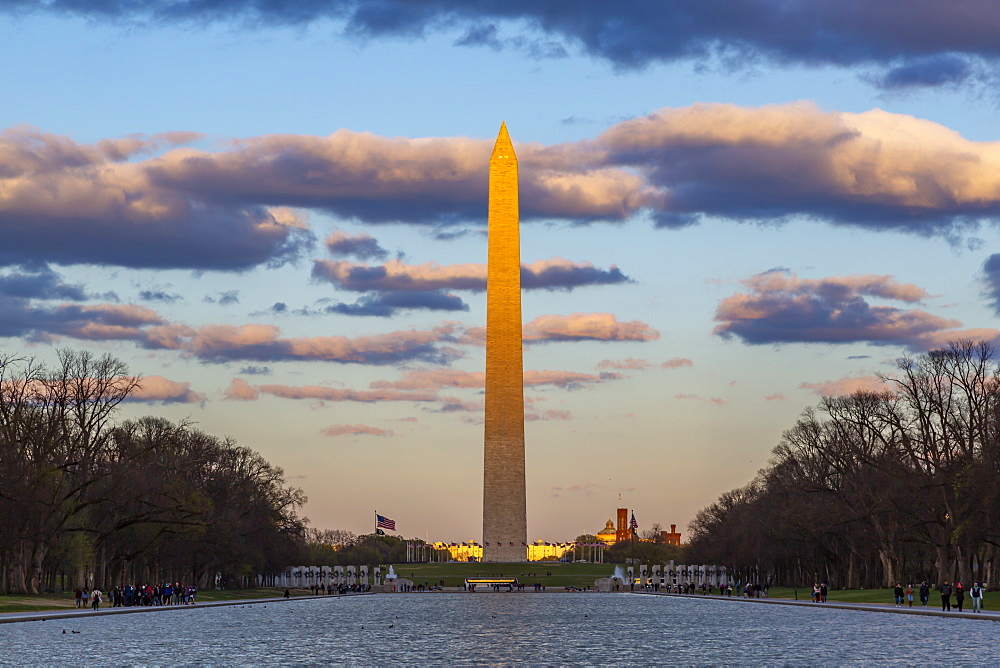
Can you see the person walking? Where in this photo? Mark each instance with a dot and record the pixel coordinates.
(925, 593)
(946, 597)
(909, 593)
(976, 592)
(898, 594)
(95, 598)
(959, 596)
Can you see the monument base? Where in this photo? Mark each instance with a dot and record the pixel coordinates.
(505, 555)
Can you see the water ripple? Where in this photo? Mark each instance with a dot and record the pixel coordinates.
(500, 629)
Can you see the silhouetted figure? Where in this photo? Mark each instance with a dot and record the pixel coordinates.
(946, 596)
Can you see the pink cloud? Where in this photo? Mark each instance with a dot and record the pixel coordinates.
(396, 275)
(263, 342)
(240, 390)
(777, 396)
(551, 414)
(355, 430)
(869, 284)
(943, 338)
(586, 327)
(441, 378)
(874, 169)
(53, 187)
(697, 397)
(163, 390)
(676, 363)
(321, 393)
(434, 379)
(629, 363)
(845, 386)
(568, 379)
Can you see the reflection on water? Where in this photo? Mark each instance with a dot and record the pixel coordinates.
(463, 629)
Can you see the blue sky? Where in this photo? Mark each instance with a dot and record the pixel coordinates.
(728, 210)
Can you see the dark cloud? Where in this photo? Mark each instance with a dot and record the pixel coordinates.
(39, 282)
(783, 308)
(255, 371)
(224, 298)
(21, 318)
(395, 275)
(105, 209)
(876, 170)
(261, 343)
(991, 277)
(385, 304)
(361, 246)
(568, 276)
(629, 35)
(934, 70)
(481, 35)
(159, 296)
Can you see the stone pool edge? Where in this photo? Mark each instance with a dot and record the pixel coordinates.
(991, 616)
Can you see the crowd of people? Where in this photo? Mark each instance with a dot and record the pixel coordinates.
(128, 595)
(976, 592)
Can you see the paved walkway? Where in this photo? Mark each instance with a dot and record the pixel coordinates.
(929, 611)
(65, 613)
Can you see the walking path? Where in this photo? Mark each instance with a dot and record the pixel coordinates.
(65, 613)
(929, 611)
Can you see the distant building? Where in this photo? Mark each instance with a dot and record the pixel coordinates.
(623, 532)
(538, 551)
(611, 535)
(608, 536)
(672, 537)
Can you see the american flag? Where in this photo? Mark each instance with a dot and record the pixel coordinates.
(633, 524)
(384, 522)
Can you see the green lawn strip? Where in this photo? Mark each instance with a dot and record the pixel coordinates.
(454, 574)
(36, 603)
(841, 595)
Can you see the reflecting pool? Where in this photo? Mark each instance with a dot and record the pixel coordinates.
(466, 629)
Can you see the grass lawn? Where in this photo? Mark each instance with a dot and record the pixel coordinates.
(842, 595)
(454, 574)
(37, 603)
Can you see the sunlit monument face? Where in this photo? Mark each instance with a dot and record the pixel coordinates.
(505, 525)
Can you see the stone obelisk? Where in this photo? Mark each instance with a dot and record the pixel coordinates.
(505, 518)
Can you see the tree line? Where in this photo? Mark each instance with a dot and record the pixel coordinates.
(875, 488)
(90, 500)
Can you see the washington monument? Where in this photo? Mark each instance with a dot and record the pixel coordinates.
(505, 518)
